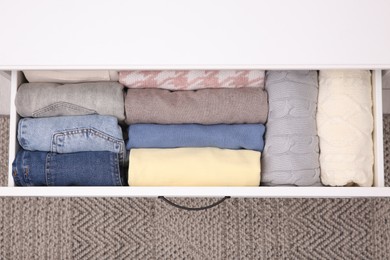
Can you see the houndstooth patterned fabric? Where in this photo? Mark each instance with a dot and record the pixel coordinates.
(192, 79)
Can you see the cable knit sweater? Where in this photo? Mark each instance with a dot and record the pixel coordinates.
(290, 155)
(345, 125)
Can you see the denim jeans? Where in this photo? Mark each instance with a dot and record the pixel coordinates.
(70, 134)
(72, 169)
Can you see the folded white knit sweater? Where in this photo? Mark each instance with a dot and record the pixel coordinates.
(345, 125)
(70, 76)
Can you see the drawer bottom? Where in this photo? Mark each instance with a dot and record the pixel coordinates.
(248, 192)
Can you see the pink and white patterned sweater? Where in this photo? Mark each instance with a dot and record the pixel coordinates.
(192, 79)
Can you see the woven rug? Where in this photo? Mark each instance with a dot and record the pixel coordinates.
(386, 148)
(140, 228)
(4, 141)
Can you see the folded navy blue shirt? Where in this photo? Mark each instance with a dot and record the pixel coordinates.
(237, 136)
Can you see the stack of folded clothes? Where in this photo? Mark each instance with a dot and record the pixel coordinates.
(70, 134)
(195, 128)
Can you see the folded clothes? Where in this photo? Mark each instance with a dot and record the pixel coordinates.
(71, 169)
(192, 79)
(70, 134)
(345, 126)
(206, 106)
(194, 167)
(70, 76)
(242, 136)
(52, 99)
(291, 152)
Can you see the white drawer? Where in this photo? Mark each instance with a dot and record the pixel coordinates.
(377, 191)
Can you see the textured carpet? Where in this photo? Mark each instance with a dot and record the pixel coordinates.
(386, 148)
(126, 228)
(4, 141)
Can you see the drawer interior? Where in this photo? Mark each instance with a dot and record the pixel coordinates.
(18, 78)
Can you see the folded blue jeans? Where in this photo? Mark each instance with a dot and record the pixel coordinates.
(72, 169)
(238, 136)
(70, 134)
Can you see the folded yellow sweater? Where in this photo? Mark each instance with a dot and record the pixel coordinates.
(194, 167)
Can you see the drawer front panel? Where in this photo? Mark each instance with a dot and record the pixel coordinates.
(194, 34)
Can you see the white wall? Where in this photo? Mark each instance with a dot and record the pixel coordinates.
(5, 86)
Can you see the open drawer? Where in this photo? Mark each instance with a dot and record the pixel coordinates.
(377, 191)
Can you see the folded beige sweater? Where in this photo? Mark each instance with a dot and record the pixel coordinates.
(205, 106)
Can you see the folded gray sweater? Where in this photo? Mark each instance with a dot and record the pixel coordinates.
(52, 99)
(291, 153)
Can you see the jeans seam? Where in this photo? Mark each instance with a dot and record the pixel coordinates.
(21, 138)
(88, 129)
(117, 172)
(61, 104)
(54, 145)
(47, 170)
(18, 163)
(97, 133)
(16, 176)
(25, 169)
